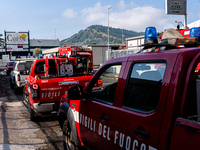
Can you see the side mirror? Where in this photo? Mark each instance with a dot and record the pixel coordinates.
(75, 92)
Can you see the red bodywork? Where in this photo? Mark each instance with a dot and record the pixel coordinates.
(75, 52)
(9, 66)
(169, 126)
(50, 78)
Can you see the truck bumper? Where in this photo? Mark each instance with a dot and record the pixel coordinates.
(49, 108)
(21, 84)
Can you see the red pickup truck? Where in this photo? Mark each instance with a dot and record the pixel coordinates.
(148, 101)
(48, 80)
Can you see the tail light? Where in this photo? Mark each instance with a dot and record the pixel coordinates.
(35, 91)
(18, 77)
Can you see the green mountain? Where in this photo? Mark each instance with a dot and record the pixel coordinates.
(98, 34)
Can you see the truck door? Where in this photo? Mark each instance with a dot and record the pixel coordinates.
(138, 118)
(186, 132)
(97, 111)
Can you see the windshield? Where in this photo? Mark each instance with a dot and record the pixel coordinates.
(24, 65)
(11, 63)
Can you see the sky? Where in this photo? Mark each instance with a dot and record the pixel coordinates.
(52, 19)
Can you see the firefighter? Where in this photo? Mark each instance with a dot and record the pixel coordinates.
(89, 66)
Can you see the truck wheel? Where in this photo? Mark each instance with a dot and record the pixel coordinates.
(33, 115)
(16, 90)
(68, 142)
(25, 94)
(11, 84)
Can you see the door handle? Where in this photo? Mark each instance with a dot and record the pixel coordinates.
(106, 118)
(142, 133)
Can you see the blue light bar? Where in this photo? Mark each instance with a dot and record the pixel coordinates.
(64, 54)
(150, 35)
(195, 32)
(40, 56)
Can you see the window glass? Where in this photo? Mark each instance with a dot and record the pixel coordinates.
(109, 79)
(24, 65)
(39, 68)
(11, 63)
(144, 86)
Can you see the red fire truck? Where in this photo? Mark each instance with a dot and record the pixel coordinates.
(50, 78)
(148, 101)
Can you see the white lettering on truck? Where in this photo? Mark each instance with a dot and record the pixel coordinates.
(120, 139)
(51, 94)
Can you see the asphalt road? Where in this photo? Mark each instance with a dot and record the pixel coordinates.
(17, 131)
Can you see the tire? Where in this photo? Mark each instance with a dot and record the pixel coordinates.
(25, 94)
(68, 142)
(16, 90)
(11, 84)
(33, 115)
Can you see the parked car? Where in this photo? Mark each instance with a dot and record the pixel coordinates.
(19, 73)
(9, 67)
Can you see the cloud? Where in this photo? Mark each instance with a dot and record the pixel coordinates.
(94, 14)
(136, 19)
(121, 5)
(69, 13)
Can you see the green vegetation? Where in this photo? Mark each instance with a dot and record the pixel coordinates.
(36, 52)
(98, 34)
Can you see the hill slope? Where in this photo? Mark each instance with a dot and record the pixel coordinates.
(98, 34)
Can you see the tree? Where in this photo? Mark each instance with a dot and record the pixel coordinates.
(36, 52)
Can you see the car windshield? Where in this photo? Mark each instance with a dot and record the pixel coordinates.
(24, 65)
(11, 63)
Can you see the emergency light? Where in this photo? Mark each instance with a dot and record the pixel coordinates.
(195, 32)
(40, 56)
(19, 56)
(64, 54)
(150, 35)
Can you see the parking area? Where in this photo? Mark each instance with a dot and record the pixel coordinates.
(17, 131)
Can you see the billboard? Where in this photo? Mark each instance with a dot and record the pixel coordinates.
(18, 47)
(16, 38)
(176, 7)
(16, 41)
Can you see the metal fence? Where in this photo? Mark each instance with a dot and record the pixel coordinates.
(118, 53)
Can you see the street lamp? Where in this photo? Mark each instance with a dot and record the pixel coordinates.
(108, 27)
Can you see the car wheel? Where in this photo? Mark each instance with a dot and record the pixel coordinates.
(25, 94)
(11, 84)
(33, 115)
(16, 90)
(68, 142)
